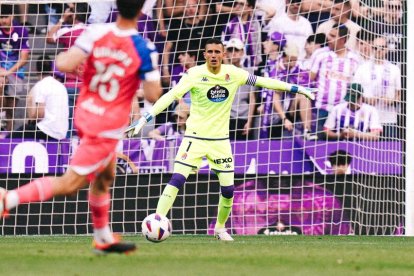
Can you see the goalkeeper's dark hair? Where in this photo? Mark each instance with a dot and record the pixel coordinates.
(82, 12)
(213, 41)
(129, 9)
(44, 65)
(343, 31)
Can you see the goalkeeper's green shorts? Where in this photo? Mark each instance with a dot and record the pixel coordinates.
(192, 150)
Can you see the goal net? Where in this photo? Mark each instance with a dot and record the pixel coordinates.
(334, 166)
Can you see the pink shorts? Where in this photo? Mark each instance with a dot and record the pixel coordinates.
(93, 155)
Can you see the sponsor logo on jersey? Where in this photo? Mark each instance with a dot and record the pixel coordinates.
(218, 94)
(204, 79)
(223, 161)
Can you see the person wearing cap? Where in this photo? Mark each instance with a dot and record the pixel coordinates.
(285, 105)
(14, 54)
(242, 110)
(272, 48)
(295, 27)
(171, 130)
(353, 119)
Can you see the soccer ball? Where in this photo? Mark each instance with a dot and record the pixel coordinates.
(156, 228)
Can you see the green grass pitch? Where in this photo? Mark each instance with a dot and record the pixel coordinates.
(202, 255)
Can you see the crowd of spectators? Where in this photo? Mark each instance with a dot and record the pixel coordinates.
(326, 44)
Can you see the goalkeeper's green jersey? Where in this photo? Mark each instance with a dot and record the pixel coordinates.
(212, 96)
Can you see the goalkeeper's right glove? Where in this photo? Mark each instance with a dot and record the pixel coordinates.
(136, 126)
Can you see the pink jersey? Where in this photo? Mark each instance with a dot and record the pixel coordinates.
(118, 60)
(67, 36)
(333, 76)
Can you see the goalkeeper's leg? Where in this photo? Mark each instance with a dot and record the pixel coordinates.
(170, 192)
(188, 159)
(225, 205)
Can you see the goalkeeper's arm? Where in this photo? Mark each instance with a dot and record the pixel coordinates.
(174, 94)
(280, 86)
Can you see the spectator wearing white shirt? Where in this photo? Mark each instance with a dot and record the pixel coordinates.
(101, 11)
(381, 81)
(364, 45)
(353, 119)
(47, 107)
(295, 27)
(340, 14)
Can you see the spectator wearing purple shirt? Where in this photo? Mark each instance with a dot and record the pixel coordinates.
(14, 54)
(272, 48)
(287, 106)
(246, 27)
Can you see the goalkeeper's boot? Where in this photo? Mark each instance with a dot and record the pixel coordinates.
(116, 247)
(222, 235)
(4, 213)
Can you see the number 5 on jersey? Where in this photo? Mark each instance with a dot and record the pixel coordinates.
(104, 82)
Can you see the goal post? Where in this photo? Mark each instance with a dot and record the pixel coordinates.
(410, 131)
(286, 183)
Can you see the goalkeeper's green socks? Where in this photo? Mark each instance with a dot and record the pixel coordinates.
(167, 199)
(224, 209)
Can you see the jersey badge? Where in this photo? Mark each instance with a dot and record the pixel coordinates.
(227, 78)
(184, 156)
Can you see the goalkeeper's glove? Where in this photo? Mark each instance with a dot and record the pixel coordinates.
(136, 126)
(305, 91)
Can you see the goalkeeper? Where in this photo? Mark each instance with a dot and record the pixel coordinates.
(212, 86)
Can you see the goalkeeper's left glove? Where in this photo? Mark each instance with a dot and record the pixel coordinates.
(136, 126)
(305, 91)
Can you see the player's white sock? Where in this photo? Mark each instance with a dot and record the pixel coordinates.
(12, 200)
(103, 235)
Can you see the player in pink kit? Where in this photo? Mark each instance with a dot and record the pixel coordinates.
(116, 58)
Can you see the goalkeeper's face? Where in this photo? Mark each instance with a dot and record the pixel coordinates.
(214, 55)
